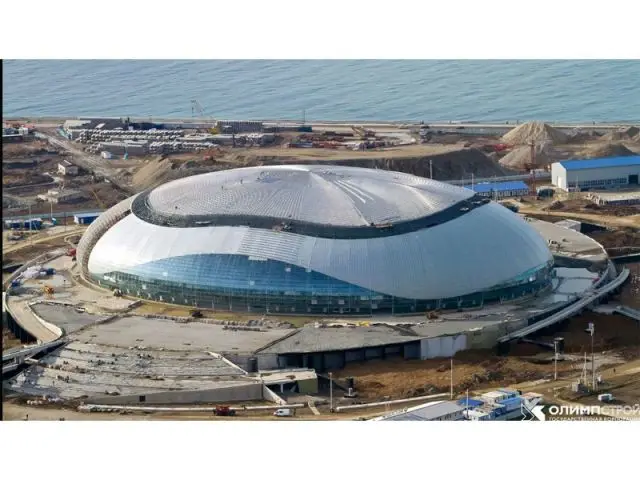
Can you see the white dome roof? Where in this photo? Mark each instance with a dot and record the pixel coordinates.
(317, 194)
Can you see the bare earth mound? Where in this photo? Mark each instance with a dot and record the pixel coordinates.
(607, 150)
(152, 173)
(519, 158)
(537, 132)
(622, 134)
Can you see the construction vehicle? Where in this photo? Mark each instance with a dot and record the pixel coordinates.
(117, 292)
(95, 194)
(224, 411)
(71, 252)
(362, 132)
(284, 412)
(48, 290)
(196, 107)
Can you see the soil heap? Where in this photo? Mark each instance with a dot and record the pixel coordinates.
(622, 134)
(519, 158)
(536, 132)
(152, 173)
(607, 150)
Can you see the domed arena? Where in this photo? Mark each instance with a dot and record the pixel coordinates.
(314, 239)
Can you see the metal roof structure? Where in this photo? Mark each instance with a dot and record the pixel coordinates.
(606, 162)
(477, 249)
(310, 339)
(87, 215)
(425, 412)
(499, 187)
(318, 194)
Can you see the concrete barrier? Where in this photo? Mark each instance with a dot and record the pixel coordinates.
(87, 408)
(229, 394)
(573, 309)
(271, 396)
(390, 402)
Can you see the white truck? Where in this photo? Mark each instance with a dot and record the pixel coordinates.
(284, 412)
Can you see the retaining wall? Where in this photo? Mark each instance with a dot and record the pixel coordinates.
(236, 393)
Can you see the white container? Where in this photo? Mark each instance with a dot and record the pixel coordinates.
(605, 397)
(494, 397)
(106, 155)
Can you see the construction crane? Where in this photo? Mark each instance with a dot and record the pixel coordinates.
(531, 166)
(95, 194)
(196, 107)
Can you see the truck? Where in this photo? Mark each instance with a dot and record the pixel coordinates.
(224, 411)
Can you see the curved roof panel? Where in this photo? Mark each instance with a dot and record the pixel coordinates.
(479, 250)
(327, 195)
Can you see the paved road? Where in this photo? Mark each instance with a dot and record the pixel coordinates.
(28, 321)
(45, 239)
(55, 214)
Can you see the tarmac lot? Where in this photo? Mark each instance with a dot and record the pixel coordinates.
(157, 333)
(66, 317)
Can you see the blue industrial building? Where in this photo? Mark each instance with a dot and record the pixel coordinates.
(85, 218)
(501, 189)
(596, 173)
(24, 224)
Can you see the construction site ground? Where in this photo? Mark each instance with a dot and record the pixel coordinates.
(28, 170)
(9, 340)
(579, 208)
(448, 156)
(620, 377)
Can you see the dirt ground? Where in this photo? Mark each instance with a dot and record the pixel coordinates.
(475, 370)
(9, 340)
(620, 242)
(580, 205)
(630, 294)
(24, 149)
(376, 380)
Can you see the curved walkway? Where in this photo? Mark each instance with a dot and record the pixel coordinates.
(570, 310)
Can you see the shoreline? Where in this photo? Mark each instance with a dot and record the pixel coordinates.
(320, 123)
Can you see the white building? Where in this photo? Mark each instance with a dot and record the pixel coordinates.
(67, 168)
(61, 196)
(596, 173)
(432, 411)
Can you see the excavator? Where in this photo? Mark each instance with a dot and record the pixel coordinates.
(48, 290)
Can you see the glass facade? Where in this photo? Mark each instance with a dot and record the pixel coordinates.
(248, 284)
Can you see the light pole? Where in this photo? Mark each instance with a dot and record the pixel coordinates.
(451, 390)
(331, 391)
(592, 330)
(30, 223)
(555, 359)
